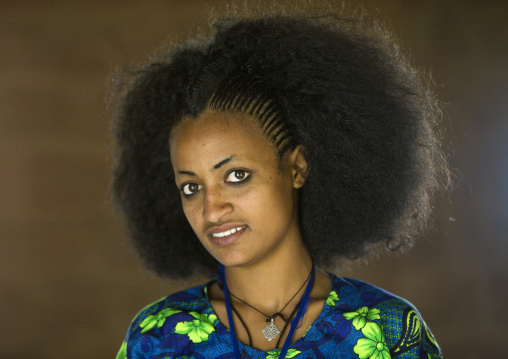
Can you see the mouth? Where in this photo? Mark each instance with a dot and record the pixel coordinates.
(225, 235)
(228, 232)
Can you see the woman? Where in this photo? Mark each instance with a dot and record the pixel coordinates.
(293, 142)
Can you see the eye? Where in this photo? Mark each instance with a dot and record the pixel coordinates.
(190, 188)
(237, 176)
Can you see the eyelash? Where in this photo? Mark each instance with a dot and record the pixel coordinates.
(241, 181)
(234, 183)
(182, 189)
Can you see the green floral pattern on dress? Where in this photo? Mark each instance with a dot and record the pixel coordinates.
(274, 354)
(332, 298)
(122, 353)
(198, 329)
(361, 316)
(373, 345)
(157, 319)
(185, 326)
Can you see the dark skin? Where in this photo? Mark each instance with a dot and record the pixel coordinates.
(255, 321)
(241, 200)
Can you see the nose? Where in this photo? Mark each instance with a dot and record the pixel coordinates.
(216, 206)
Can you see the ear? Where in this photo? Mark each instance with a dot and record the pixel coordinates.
(299, 166)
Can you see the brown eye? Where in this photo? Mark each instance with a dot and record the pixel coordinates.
(237, 176)
(190, 188)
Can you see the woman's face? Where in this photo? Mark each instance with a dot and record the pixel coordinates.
(239, 198)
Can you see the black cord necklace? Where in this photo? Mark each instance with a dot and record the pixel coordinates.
(298, 318)
(283, 328)
(271, 330)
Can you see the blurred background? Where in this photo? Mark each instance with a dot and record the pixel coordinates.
(69, 280)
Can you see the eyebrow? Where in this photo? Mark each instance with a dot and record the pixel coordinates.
(217, 166)
(223, 162)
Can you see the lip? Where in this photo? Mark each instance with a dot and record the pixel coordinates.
(224, 241)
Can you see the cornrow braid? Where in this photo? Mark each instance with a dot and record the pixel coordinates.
(238, 94)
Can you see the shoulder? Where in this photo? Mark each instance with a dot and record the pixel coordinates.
(149, 330)
(187, 300)
(380, 319)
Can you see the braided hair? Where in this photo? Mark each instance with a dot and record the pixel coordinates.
(339, 86)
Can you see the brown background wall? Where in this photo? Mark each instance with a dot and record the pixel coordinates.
(69, 284)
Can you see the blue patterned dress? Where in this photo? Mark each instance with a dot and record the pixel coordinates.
(358, 320)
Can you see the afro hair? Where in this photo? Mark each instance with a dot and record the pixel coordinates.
(339, 86)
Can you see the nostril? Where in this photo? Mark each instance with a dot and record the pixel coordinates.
(215, 208)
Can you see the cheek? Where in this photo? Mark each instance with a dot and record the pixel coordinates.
(272, 203)
(191, 211)
(282, 199)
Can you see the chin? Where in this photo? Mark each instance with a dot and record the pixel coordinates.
(234, 259)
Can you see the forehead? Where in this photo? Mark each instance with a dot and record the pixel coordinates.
(214, 134)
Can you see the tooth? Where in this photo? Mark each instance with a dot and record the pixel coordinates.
(228, 232)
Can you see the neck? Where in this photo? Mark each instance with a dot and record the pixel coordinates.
(270, 284)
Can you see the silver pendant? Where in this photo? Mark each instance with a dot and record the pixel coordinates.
(271, 331)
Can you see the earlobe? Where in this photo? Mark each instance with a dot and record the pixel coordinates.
(300, 167)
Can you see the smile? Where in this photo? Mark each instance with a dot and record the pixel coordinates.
(228, 232)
